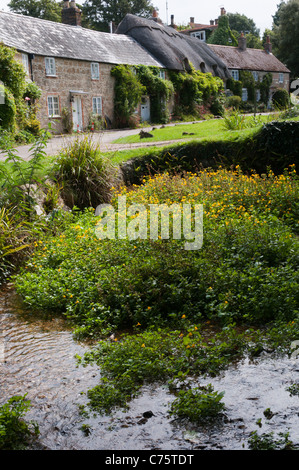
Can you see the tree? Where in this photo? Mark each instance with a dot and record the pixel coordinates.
(242, 23)
(99, 13)
(44, 9)
(288, 35)
(223, 34)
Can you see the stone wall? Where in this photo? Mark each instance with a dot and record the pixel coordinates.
(72, 75)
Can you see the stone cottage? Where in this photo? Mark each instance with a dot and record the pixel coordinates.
(257, 61)
(70, 64)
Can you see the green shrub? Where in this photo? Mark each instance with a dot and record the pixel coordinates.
(246, 270)
(15, 433)
(281, 99)
(233, 102)
(197, 404)
(7, 110)
(85, 175)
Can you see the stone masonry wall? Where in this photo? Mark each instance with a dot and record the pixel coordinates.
(72, 75)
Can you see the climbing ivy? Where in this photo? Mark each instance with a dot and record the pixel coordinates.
(127, 94)
(159, 90)
(195, 89)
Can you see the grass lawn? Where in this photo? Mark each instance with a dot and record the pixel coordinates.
(210, 130)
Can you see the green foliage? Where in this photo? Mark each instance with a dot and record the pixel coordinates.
(15, 114)
(288, 35)
(223, 34)
(265, 87)
(12, 73)
(8, 110)
(128, 92)
(159, 90)
(242, 23)
(15, 433)
(234, 102)
(281, 99)
(248, 82)
(86, 176)
(262, 148)
(197, 404)
(267, 441)
(98, 14)
(195, 88)
(246, 270)
(235, 86)
(44, 9)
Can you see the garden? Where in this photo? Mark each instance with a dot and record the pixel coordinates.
(152, 311)
(155, 312)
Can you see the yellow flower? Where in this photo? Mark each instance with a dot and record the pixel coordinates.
(143, 345)
(183, 316)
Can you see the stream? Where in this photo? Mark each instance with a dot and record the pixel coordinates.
(37, 358)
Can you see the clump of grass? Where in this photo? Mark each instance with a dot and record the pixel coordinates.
(198, 403)
(85, 174)
(15, 432)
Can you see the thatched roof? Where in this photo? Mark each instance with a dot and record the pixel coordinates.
(47, 38)
(174, 50)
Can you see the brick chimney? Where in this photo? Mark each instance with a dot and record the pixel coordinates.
(242, 42)
(172, 24)
(268, 45)
(223, 11)
(155, 17)
(71, 14)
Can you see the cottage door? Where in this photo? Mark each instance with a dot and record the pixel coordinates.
(77, 114)
(145, 109)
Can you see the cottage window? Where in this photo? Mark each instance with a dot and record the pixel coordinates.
(50, 66)
(162, 74)
(97, 105)
(201, 35)
(25, 63)
(281, 78)
(244, 94)
(53, 106)
(235, 74)
(255, 76)
(95, 71)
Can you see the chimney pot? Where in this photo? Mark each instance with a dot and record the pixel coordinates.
(191, 19)
(242, 42)
(223, 11)
(268, 45)
(71, 14)
(212, 22)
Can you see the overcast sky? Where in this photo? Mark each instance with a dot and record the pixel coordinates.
(260, 11)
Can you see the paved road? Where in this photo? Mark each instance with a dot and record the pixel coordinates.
(104, 139)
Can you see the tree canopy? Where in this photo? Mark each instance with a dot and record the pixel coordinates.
(242, 23)
(99, 13)
(44, 9)
(286, 34)
(223, 35)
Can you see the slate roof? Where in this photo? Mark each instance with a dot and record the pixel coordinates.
(250, 59)
(174, 50)
(47, 38)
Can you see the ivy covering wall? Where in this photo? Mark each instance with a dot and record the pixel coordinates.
(15, 113)
(195, 93)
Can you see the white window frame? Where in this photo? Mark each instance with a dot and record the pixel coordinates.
(50, 66)
(162, 74)
(244, 94)
(281, 78)
(97, 105)
(95, 71)
(201, 35)
(235, 74)
(54, 106)
(255, 76)
(25, 62)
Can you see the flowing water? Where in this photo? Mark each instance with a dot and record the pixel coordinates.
(37, 357)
